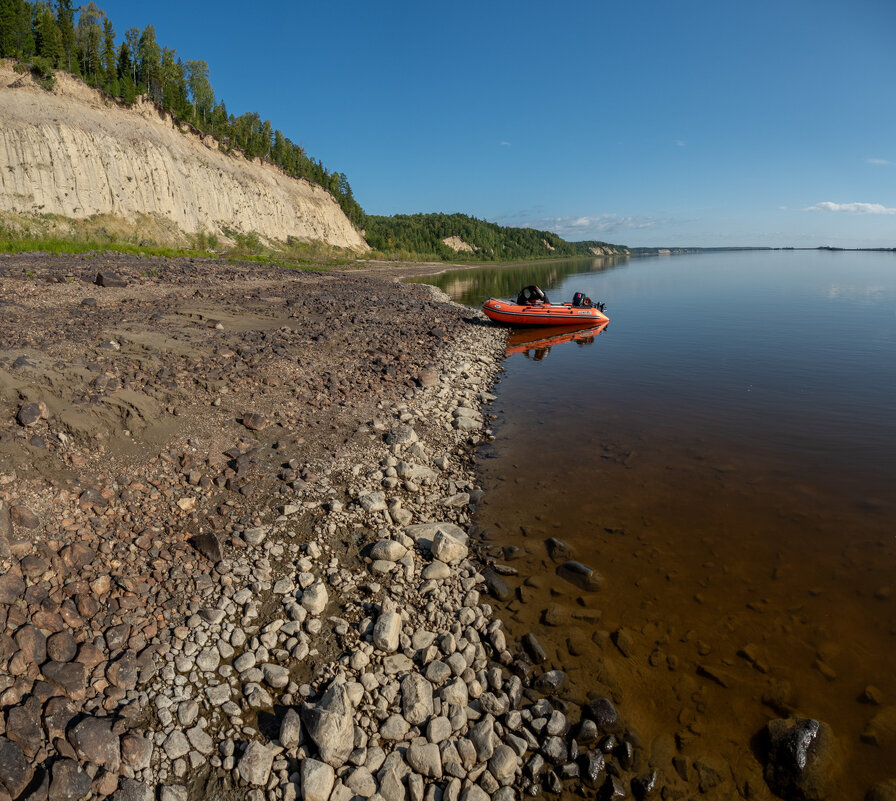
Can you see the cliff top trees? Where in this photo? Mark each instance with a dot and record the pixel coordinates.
(149, 64)
(16, 36)
(82, 41)
(47, 36)
(88, 37)
(65, 21)
(200, 90)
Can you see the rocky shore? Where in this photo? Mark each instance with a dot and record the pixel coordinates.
(236, 546)
(238, 557)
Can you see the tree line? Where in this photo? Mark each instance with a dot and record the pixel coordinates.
(46, 35)
(424, 234)
(82, 41)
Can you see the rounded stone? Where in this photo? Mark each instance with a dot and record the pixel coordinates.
(503, 764)
(62, 647)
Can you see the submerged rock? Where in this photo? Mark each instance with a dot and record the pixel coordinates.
(584, 577)
(603, 713)
(803, 758)
(557, 549)
(881, 729)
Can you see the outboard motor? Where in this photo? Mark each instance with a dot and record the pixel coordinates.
(529, 295)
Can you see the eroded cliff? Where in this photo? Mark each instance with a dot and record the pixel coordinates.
(72, 153)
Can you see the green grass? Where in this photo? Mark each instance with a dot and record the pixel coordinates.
(68, 247)
(247, 249)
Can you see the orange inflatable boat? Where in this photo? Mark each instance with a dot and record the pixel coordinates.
(532, 307)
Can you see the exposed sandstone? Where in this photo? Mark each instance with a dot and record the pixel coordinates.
(71, 152)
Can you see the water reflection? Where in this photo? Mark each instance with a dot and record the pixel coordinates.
(728, 467)
(473, 286)
(536, 343)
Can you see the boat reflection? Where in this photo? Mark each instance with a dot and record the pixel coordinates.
(536, 343)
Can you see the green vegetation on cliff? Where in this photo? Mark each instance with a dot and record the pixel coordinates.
(48, 35)
(81, 41)
(422, 236)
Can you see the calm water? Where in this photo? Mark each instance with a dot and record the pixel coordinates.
(725, 454)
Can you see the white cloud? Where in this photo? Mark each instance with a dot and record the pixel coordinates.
(880, 162)
(505, 144)
(585, 226)
(852, 208)
(680, 143)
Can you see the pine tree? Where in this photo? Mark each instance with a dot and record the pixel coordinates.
(16, 38)
(126, 85)
(132, 40)
(169, 76)
(110, 63)
(48, 37)
(65, 21)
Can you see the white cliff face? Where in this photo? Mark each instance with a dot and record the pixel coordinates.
(71, 153)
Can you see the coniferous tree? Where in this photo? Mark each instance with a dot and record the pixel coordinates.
(221, 123)
(266, 139)
(16, 37)
(174, 83)
(125, 70)
(65, 21)
(48, 37)
(132, 40)
(110, 62)
(7, 25)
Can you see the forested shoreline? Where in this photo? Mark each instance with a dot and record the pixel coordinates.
(424, 235)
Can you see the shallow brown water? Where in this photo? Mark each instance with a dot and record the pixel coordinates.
(708, 564)
(725, 455)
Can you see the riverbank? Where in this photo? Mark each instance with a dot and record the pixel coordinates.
(237, 558)
(742, 584)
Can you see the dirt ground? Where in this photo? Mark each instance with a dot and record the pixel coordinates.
(205, 350)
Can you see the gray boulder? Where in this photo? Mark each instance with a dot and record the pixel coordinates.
(291, 730)
(317, 780)
(255, 764)
(416, 699)
(387, 632)
(425, 759)
(330, 725)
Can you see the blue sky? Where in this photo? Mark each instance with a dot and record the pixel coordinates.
(641, 123)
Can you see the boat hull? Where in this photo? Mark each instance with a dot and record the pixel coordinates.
(502, 311)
